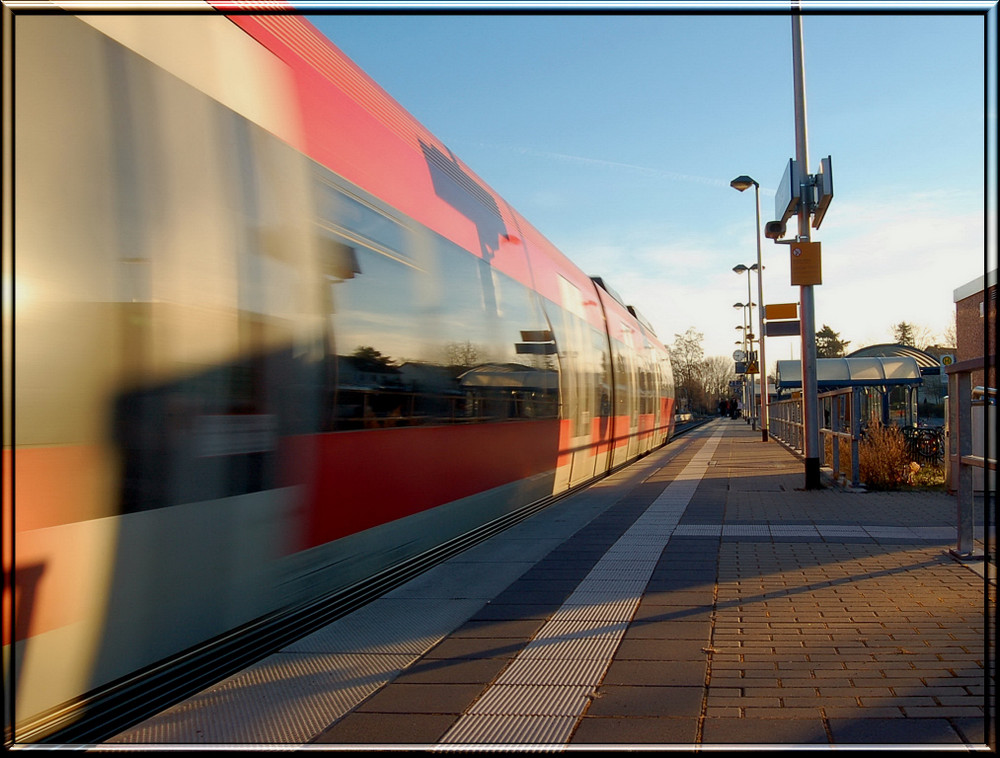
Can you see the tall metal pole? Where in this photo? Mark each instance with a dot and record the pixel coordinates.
(810, 401)
(746, 359)
(762, 365)
(752, 408)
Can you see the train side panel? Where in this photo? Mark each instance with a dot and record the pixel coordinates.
(145, 454)
(270, 338)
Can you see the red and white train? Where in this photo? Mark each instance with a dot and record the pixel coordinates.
(269, 337)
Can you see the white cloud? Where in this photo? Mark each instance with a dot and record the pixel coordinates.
(881, 265)
(898, 262)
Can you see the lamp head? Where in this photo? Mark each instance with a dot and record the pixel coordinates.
(774, 230)
(742, 182)
(740, 269)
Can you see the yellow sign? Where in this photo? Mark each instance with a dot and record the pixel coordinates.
(807, 266)
(777, 311)
(752, 367)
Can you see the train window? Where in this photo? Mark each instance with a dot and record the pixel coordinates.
(338, 260)
(347, 213)
(437, 344)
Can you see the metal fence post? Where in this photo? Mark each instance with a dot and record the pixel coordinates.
(855, 437)
(965, 472)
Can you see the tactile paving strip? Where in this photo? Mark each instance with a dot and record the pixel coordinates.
(534, 700)
(937, 533)
(299, 695)
(290, 697)
(514, 731)
(582, 635)
(548, 671)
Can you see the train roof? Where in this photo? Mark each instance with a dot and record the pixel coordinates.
(402, 162)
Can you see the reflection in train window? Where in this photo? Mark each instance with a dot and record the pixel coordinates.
(439, 343)
(349, 213)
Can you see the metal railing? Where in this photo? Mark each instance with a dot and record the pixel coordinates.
(841, 413)
(843, 425)
(961, 459)
(785, 424)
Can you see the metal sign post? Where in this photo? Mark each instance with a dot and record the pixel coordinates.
(810, 400)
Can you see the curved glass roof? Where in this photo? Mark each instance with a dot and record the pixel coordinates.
(853, 372)
(927, 362)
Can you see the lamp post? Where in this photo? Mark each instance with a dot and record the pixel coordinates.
(746, 323)
(750, 399)
(810, 399)
(742, 377)
(741, 183)
(753, 403)
(747, 346)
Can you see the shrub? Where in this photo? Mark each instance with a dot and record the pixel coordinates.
(930, 476)
(884, 458)
(845, 454)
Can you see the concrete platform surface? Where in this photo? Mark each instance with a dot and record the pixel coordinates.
(700, 598)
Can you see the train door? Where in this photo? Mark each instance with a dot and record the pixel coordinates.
(578, 387)
(635, 396)
(649, 390)
(626, 411)
(665, 398)
(603, 424)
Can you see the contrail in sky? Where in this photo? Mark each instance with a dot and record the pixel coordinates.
(615, 165)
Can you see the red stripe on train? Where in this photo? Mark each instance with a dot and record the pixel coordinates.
(359, 480)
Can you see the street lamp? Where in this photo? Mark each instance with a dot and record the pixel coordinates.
(747, 351)
(741, 183)
(752, 414)
(746, 321)
(742, 342)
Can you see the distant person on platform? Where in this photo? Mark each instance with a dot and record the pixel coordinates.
(723, 407)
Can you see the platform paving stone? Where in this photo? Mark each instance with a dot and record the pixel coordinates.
(880, 731)
(617, 731)
(809, 729)
(397, 698)
(771, 616)
(461, 671)
(373, 729)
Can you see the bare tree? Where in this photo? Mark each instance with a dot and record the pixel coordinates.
(462, 354)
(950, 335)
(687, 359)
(912, 335)
(716, 373)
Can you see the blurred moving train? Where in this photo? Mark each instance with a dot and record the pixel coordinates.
(269, 337)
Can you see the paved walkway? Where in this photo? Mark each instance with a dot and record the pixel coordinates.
(697, 598)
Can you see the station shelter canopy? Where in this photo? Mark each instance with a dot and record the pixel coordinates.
(930, 365)
(509, 376)
(833, 373)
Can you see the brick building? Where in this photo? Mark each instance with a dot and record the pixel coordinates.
(975, 307)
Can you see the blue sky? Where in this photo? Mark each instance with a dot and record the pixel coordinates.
(617, 135)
